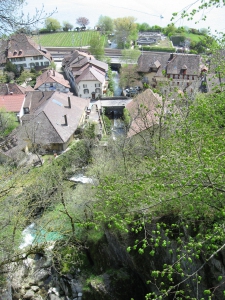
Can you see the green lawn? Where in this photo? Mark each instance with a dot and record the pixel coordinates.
(164, 44)
(67, 39)
(194, 37)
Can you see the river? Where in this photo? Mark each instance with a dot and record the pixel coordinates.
(116, 79)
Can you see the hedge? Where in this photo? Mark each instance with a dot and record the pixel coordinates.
(158, 49)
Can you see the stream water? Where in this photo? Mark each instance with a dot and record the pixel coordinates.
(116, 79)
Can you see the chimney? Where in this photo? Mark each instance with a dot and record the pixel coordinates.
(66, 123)
(7, 88)
(171, 56)
(69, 102)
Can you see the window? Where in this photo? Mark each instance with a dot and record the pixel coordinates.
(86, 91)
(51, 84)
(22, 65)
(18, 59)
(37, 64)
(97, 90)
(97, 85)
(84, 86)
(26, 110)
(38, 57)
(46, 63)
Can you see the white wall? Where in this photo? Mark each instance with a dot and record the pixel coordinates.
(56, 87)
(30, 62)
(91, 87)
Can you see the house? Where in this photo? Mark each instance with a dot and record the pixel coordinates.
(87, 76)
(178, 69)
(214, 79)
(51, 80)
(13, 103)
(153, 66)
(14, 89)
(24, 52)
(91, 83)
(183, 67)
(144, 111)
(51, 118)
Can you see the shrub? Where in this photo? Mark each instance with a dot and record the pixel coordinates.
(158, 49)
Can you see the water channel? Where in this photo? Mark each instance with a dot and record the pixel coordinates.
(116, 117)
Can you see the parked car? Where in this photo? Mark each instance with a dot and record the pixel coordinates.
(138, 88)
(132, 93)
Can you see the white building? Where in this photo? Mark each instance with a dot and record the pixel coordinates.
(23, 52)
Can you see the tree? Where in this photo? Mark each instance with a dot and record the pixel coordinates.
(24, 77)
(179, 183)
(8, 122)
(97, 47)
(10, 67)
(144, 27)
(198, 6)
(170, 30)
(67, 26)
(12, 17)
(125, 30)
(52, 24)
(203, 31)
(82, 21)
(128, 75)
(130, 56)
(106, 24)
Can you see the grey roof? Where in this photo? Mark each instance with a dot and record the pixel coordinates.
(189, 62)
(36, 99)
(91, 74)
(20, 45)
(13, 88)
(99, 64)
(49, 118)
(154, 60)
(76, 58)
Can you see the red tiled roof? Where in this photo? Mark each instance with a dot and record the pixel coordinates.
(144, 110)
(50, 76)
(11, 103)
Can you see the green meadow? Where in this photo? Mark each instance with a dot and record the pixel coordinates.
(67, 39)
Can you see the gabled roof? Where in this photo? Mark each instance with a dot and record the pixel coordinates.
(91, 74)
(76, 58)
(144, 110)
(99, 64)
(49, 117)
(153, 60)
(12, 103)
(51, 76)
(189, 62)
(13, 88)
(36, 99)
(20, 45)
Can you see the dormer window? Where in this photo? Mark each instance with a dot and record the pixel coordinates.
(20, 51)
(14, 52)
(184, 70)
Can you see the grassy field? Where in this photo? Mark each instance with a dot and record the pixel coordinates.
(194, 37)
(67, 39)
(164, 44)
